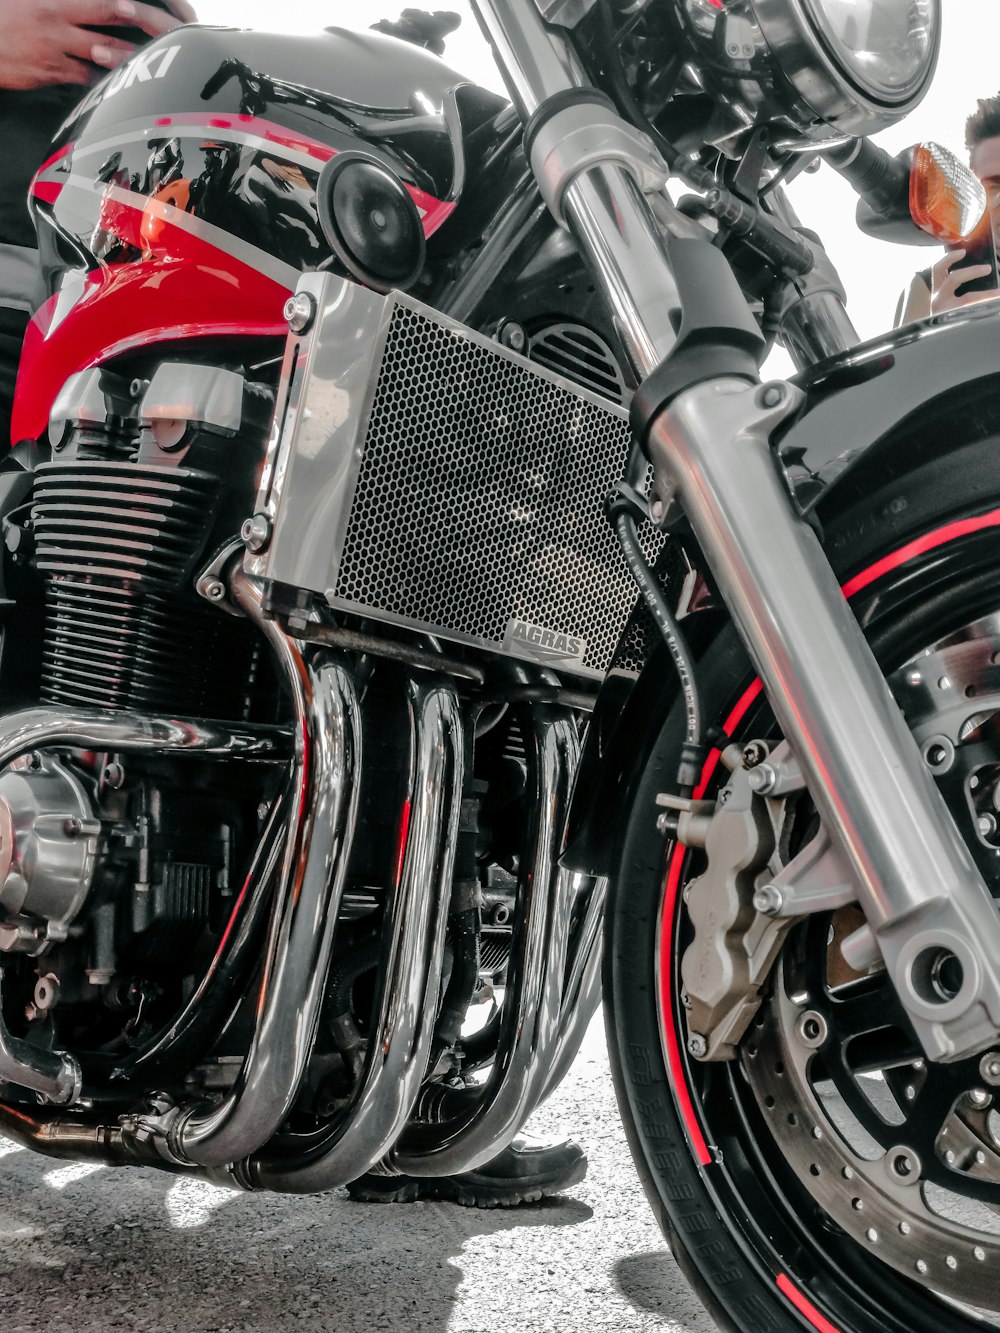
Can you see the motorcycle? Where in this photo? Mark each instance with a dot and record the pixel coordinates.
(362, 404)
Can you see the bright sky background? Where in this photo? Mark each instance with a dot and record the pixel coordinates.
(874, 273)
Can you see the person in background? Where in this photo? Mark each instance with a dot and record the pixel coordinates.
(933, 290)
(51, 51)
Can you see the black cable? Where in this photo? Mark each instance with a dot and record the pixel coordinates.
(693, 751)
(622, 92)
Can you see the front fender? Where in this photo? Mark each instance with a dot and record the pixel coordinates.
(872, 420)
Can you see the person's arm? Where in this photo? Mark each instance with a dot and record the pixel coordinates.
(915, 302)
(49, 42)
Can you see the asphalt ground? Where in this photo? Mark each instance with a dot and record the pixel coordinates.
(85, 1248)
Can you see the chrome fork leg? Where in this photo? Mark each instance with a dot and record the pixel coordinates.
(403, 1027)
(914, 876)
(530, 1022)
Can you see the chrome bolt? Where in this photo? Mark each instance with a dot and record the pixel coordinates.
(114, 775)
(513, 336)
(256, 532)
(987, 825)
(213, 589)
(697, 1045)
(771, 395)
(73, 826)
(979, 1097)
(300, 310)
(768, 900)
(903, 1165)
(989, 1069)
(46, 992)
(938, 753)
(812, 1028)
(686, 1000)
(762, 779)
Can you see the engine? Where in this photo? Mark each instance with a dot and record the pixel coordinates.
(119, 873)
(149, 474)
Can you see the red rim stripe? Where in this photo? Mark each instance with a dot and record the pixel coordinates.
(963, 527)
(685, 1105)
(919, 546)
(804, 1305)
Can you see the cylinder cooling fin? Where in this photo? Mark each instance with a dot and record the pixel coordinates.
(114, 542)
(130, 502)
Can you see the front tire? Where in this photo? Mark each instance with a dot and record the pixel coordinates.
(920, 559)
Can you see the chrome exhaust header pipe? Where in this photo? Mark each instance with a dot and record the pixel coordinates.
(54, 1074)
(300, 945)
(532, 1006)
(399, 1048)
(582, 992)
(57, 1075)
(136, 733)
(553, 990)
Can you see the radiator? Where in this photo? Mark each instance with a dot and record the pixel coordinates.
(421, 475)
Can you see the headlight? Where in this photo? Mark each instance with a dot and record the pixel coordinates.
(858, 65)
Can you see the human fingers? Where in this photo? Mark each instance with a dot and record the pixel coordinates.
(121, 13)
(958, 277)
(941, 269)
(944, 296)
(107, 52)
(62, 69)
(183, 10)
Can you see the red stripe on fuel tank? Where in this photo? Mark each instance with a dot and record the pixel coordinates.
(434, 212)
(210, 292)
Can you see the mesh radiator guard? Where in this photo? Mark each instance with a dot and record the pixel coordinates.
(424, 476)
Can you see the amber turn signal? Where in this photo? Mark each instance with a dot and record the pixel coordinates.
(946, 199)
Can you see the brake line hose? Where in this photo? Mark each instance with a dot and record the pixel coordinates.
(620, 509)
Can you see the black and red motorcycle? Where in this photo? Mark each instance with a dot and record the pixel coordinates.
(360, 403)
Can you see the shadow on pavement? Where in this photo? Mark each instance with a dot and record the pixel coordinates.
(85, 1248)
(653, 1282)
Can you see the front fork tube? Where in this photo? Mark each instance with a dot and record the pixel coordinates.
(603, 205)
(914, 876)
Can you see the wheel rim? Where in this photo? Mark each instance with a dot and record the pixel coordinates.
(945, 1257)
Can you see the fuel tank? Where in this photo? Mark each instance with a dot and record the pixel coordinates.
(180, 199)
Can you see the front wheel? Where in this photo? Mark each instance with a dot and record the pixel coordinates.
(827, 1177)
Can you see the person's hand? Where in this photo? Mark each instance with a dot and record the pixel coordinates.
(46, 42)
(946, 279)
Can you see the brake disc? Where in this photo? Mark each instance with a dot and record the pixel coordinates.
(904, 1156)
(877, 1194)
